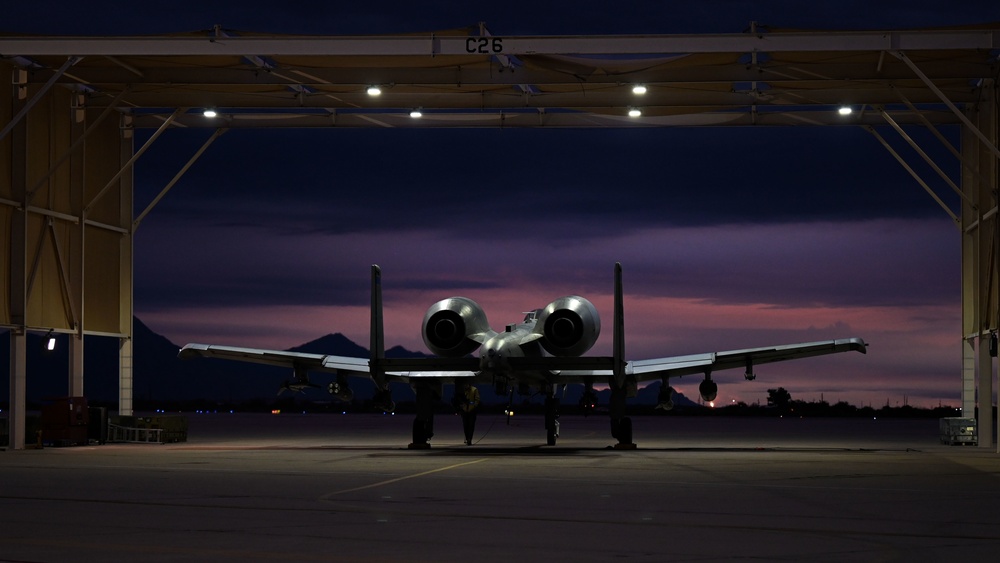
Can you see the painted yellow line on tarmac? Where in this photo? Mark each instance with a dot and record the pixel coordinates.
(397, 479)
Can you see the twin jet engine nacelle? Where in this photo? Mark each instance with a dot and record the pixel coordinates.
(449, 323)
(569, 325)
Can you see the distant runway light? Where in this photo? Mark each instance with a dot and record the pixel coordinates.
(416, 114)
(209, 112)
(845, 110)
(639, 89)
(374, 90)
(634, 112)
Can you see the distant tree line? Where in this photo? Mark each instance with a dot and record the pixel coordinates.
(779, 403)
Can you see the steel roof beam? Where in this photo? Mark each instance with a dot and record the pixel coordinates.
(432, 45)
(969, 166)
(927, 158)
(38, 95)
(471, 74)
(514, 100)
(954, 217)
(961, 116)
(76, 145)
(218, 133)
(163, 127)
(530, 118)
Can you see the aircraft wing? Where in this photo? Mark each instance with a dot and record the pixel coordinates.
(714, 361)
(570, 368)
(678, 366)
(298, 360)
(398, 367)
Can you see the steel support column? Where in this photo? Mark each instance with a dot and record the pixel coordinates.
(74, 159)
(18, 384)
(980, 247)
(984, 420)
(125, 375)
(968, 377)
(126, 293)
(18, 283)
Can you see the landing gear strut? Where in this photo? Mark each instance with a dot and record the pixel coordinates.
(423, 429)
(551, 420)
(621, 425)
(383, 400)
(423, 425)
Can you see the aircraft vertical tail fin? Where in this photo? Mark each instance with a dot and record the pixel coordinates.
(619, 329)
(377, 342)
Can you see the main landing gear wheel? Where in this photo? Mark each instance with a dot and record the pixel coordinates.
(551, 433)
(621, 429)
(383, 401)
(420, 435)
(423, 424)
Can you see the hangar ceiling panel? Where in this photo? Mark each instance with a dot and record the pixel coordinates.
(468, 78)
(50, 178)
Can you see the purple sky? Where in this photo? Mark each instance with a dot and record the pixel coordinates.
(729, 238)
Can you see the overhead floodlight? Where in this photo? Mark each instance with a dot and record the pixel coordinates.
(374, 90)
(639, 89)
(210, 112)
(845, 110)
(634, 112)
(50, 341)
(416, 114)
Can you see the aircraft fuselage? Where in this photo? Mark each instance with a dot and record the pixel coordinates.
(517, 341)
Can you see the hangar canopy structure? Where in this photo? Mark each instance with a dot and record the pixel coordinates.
(67, 124)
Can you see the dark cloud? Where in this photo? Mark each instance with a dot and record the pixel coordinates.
(564, 184)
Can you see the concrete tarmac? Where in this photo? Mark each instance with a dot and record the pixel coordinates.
(345, 488)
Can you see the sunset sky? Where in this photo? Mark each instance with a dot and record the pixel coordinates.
(729, 238)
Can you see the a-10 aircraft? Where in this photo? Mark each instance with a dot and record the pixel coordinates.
(543, 352)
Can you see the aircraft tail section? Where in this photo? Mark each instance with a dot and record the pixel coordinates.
(377, 341)
(618, 353)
